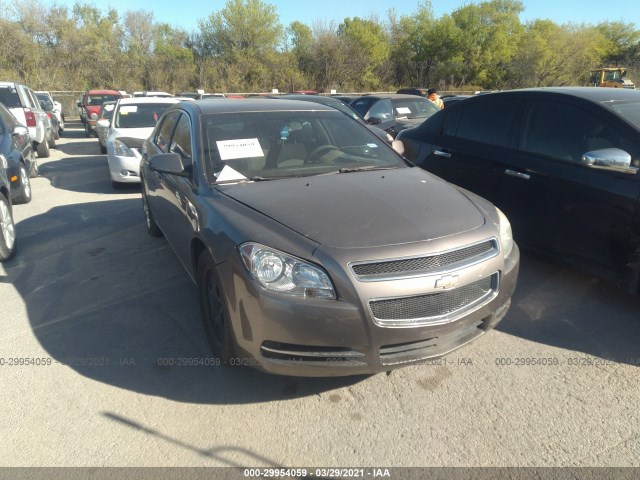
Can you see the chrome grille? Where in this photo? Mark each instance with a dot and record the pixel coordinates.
(407, 267)
(433, 308)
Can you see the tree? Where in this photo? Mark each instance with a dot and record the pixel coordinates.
(242, 38)
(367, 48)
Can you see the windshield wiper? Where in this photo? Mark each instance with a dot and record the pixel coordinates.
(364, 169)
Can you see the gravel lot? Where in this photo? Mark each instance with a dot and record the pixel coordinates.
(93, 310)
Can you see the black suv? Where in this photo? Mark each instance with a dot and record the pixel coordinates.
(7, 227)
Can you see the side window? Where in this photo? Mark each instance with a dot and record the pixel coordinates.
(488, 121)
(565, 132)
(181, 141)
(166, 129)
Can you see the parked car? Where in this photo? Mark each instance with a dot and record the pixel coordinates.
(90, 105)
(7, 227)
(152, 94)
(562, 163)
(419, 91)
(102, 127)
(341, 106)
(17, 150)
(317, 250)
(47, 106)
(24, 105)
(131, 123)
(57, 109)
(394, 112)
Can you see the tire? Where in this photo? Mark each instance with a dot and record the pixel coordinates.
(51, 140)
(34, 170)
(87, 129)
(213, 310)
(56, 134)
(25, 186)
(103, 150)
(7, 230)
(43, 150)
(150, 223)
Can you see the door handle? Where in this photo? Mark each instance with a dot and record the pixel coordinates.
(440, 153)
(513, 173)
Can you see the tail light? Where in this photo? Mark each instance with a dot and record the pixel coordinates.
(49, 115)
(30, 117)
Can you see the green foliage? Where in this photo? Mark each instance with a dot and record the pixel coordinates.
(243, 47)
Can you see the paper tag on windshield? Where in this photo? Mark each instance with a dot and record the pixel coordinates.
(228, 174)
(245, 148)
(126, 109)
(403, 110)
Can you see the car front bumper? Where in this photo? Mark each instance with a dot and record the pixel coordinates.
(285, 335)
(124, 169)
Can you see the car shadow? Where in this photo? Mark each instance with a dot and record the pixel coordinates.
(114, 304)
(557, 306)
(86, 174)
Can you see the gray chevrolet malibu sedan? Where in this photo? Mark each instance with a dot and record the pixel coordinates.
(317, 250)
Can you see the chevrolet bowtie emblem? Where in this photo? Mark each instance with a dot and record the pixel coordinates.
(448, 281)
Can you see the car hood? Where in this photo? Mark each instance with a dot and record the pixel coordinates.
(140, 133)
(363, 209)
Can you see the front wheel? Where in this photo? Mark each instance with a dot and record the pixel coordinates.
(213, 310)
(7, 231)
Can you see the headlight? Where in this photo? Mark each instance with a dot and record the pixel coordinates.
(121, 150)
(3, 161)
(506, 236)
(280, 272)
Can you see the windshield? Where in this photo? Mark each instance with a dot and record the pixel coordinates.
(269, 145)
(100, 99)
(417, 107)
(139, 116)
(629, 110)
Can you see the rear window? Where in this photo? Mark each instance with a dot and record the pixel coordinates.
(9, 97)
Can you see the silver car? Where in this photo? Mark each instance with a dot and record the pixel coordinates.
(317, 250)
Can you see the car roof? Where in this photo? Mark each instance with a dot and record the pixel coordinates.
(141, 100)
(595, 94)
(392, 96)
(226, 105)
(102, 92)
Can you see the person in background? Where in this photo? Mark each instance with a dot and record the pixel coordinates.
(432, 95)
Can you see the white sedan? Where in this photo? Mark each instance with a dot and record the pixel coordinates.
(132, 122)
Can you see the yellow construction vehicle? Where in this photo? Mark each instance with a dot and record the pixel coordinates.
(613, 77)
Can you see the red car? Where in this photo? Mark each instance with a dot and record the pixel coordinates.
(90, 105)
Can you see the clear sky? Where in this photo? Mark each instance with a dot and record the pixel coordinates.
(185, 14)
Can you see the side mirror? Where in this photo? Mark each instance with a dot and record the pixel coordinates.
(608, 158)
(103, 123)
(79, 104)
(398, 146)
(20, 130)
(374, 121)
(170, 163)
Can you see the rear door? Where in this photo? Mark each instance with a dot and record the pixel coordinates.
(475, 147)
